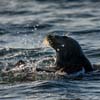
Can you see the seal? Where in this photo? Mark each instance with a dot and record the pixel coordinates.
(69, 55)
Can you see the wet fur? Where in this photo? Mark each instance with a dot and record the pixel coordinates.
(70, 57)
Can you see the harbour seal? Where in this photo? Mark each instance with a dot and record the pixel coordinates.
(69, 55)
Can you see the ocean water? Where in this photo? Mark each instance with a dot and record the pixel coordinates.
(23, 26)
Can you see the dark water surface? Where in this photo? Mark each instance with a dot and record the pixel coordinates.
(23, 26)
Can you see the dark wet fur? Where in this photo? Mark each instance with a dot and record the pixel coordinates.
(69, 58)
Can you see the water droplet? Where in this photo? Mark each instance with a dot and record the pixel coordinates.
(35, 28)
(63, 45)
(18, 32)
(37, 25)
(32, 30)
(58, 49)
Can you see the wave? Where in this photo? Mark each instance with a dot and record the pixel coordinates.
(87, 31)
(66, 0)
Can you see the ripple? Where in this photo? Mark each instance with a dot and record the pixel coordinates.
(87, 31)
(23, 26)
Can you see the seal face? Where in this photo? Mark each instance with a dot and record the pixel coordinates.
(69, 55)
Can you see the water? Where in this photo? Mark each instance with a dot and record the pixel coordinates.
(23, 26)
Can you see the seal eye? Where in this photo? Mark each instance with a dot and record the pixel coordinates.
(63, 45)
(58, 49)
